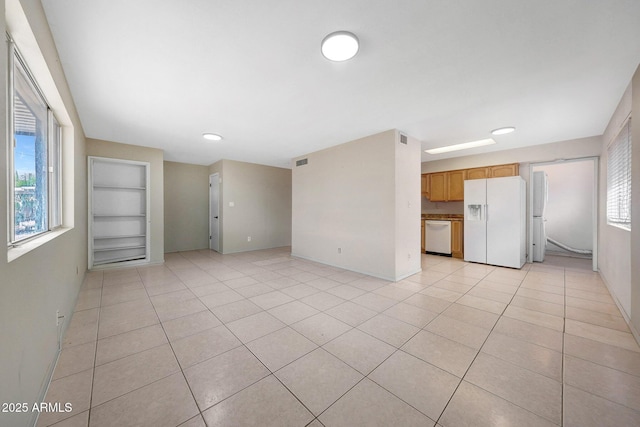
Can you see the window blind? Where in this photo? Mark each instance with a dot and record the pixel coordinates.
(619, 179)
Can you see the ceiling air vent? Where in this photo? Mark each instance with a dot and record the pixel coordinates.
(403, 139)
(302, 162)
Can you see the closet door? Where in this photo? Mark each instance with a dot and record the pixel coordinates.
(118, 211)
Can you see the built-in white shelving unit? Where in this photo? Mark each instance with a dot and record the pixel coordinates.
(118, 211)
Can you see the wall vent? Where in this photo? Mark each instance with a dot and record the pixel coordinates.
(302, 162)
(403, 139)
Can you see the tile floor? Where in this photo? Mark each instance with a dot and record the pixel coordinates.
(262, 338)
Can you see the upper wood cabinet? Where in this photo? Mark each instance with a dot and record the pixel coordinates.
(449, 186)
(505, 170)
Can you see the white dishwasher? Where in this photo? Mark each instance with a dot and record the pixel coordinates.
(437, 237)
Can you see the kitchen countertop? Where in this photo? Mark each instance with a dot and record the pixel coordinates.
(450, 217)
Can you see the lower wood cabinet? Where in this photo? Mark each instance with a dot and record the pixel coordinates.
(422, 246)
(457, 239)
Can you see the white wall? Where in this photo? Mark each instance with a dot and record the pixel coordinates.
(345, 206)
(186, 207)
(569, 211)
(261, 198)
(48, 278)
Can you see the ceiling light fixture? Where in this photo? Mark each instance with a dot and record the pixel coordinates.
(502, 131)
(463, 146)
(212, 136)
(340, 46)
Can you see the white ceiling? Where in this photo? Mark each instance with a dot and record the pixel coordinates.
(159, 73)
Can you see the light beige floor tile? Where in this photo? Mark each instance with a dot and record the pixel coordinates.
(540, 295)
(409, 285)
(318, 379)
(172, 297)
(393, 292)
(453, 285)
(423, 386)
(603, 354)
(585, 304)
(220, 298)
(410, 314)
(375, 302)
(346, 292)
(75, 359)
(254, 290)
(359, 350)
(315, 423)
(117, 297)
(88, 298)
(592, 296)
(543, 287)
(321, 328)
(444, 294)
(425, 302)
(217, 378)
(280, 348)
(235, 310)
(500, 287)
(204, 345)
(323, 283)
(74, 389)
(175, 310)
(304, 276)
(455, 330)
(472, 406)
(167, 402)
(462, 279)
(427, 278)
(228, 278)
(190, 325)
(196, 421)
(472, 316)
(122, 345)
(490, 294)
(351, 313)
(529, 390)
(277, 281)
(255, 326)
(535, 317)
(607, 383)
(322, 301)
(392, 331)
(80, 420)
(300, 291)
(209, 288)
(538, 305)
(449, 355)
(482, 304)
(526, 355)
(292, 312)
(271, 299)
(596, 318)
(529, 332)
(369, 284)
(582, 409)
(124, 375)
(266, 403)
(604, 335)
(368, 404)
(164, 288)
(83, 328)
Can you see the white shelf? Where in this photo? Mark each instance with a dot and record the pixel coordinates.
(120, 259)
(124, 236)
(119, 216)
(118, 248)
(116, 187)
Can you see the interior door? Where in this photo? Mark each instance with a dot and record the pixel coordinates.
(214, 212)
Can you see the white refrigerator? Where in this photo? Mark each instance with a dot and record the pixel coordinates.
(495, 221)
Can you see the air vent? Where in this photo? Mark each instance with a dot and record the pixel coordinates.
(302, 162)
(403, 139)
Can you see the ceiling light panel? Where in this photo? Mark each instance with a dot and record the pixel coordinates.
(503, 131)
(463, 146)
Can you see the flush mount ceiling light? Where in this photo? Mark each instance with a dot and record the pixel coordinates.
(502, 131)
(212, 136)
(463, 146)
(340, 46)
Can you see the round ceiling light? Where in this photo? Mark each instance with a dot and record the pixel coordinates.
(212, 136)
(503, 131)
(340, 46)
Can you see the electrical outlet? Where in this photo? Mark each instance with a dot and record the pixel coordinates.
(248, 238)
(339, 250)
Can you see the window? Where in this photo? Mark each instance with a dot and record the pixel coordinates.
(619, 179)
(35, 157)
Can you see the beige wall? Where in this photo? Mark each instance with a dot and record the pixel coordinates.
(635, 208)
(345, 199)
(261, 198)
(155, 157)
(186, 207)
(48, 278)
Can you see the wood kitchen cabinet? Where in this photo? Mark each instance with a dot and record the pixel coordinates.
(457, 239)
(505, 170)
(455, 186)
(438, 187)
(425, 184)
(422, 245)
(478, 173)
(447, 186)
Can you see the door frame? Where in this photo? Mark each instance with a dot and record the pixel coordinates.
(214, 179)
(594, 205)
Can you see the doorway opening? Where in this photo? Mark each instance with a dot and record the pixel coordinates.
(214, 212)
(564, 221)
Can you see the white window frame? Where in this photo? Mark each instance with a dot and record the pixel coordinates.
(619, 178)
(54, 154)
